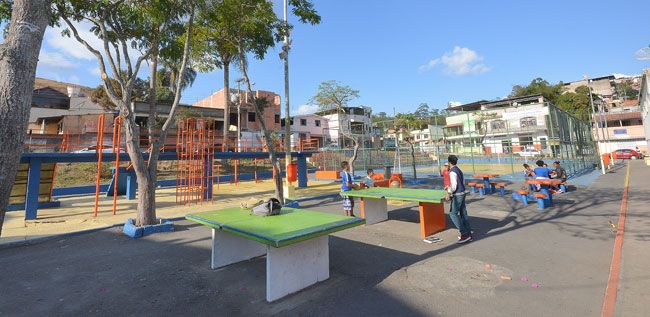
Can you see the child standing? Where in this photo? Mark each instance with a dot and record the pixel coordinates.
(445, 176)
(347, 184)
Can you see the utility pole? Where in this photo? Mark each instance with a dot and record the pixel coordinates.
(593, 120)
(288, 192)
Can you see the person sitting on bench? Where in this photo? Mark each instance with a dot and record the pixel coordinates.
(369, 181)
(559, 173)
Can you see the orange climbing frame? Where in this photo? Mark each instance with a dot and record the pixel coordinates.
(195, 146)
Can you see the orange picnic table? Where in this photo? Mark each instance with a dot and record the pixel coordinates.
(486, 180)
(544, 181)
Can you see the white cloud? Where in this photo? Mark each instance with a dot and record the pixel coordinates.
(54, 61)
(306, 109)
(95, 71)
(69, 46)
(460, 61)
(643, 54)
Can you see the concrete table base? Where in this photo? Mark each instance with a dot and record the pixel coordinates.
(374, 210)
(432, 215)
(289, 269)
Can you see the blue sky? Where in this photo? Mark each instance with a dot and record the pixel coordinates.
(402, 53)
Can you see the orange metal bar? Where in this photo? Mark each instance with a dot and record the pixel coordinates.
(99, 150)
(117, 131)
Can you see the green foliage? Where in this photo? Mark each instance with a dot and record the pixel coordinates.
(334, 95)
(626, 91)
(576, 103)
(5, 10)
(99, 96)
(539, 86)
(422, 111)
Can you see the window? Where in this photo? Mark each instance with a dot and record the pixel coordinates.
(498, 125)
(251, 117)
(317, 123)
(303, 122)
(528, 122)
(277, 118)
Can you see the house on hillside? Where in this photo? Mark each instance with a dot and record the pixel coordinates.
(355, 121)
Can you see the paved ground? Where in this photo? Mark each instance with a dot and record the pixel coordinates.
(524, 262)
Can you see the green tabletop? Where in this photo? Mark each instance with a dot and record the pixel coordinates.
(290, 226)
(407, 194)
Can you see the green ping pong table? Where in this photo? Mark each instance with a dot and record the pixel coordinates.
(374, 206)
(295, 243)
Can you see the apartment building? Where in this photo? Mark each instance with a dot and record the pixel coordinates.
(354, 121)
(310, 128)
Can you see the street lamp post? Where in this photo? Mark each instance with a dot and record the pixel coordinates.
(288, 192)
(595, 125)
(239, 81)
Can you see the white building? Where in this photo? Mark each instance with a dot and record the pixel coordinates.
(354, 121)
(514, 125)
(309, 131)
(644, 103)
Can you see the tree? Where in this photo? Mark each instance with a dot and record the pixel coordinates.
(335, 96)
(257, 28)
(215, 39)
(538, 86)
(626, 91)
(100, 97)
(18, 59)
(422, 112)
(149, 26)
(576, 103)
(404, 125)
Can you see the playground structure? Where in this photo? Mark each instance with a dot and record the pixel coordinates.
(196, 160)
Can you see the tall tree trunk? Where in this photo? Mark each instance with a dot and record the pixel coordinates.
(355, 154)
(18, 59)
(153, 89)
(226, 102)
(146, 187)
(415, 173)
(268, 142)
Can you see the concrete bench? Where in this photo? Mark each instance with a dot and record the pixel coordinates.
(472, 187)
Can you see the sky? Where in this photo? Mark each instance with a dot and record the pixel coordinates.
(399, 54)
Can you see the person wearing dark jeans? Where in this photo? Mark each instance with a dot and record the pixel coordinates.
(456, 193)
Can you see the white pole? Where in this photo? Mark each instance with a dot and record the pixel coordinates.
(593, 115)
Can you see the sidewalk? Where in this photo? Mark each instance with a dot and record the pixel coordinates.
(634, 287)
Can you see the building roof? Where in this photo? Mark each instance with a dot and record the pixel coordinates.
(59, 86)
(630, 103)
(477, 105)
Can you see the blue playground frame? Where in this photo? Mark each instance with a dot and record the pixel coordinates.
(36, 159)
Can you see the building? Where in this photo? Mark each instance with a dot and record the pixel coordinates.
(608, 88)
(311, 131)
(241, 102)
(58, 107)
(514, 125)
(624, 128)
(349, 121)
(644, 106)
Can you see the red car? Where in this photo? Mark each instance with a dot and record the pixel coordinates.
(628, 154)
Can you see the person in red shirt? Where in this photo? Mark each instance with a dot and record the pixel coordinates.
(445, 175)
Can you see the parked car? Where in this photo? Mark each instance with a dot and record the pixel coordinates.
(529, 152)
(628, 154)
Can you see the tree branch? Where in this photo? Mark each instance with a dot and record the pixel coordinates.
(102, 68)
